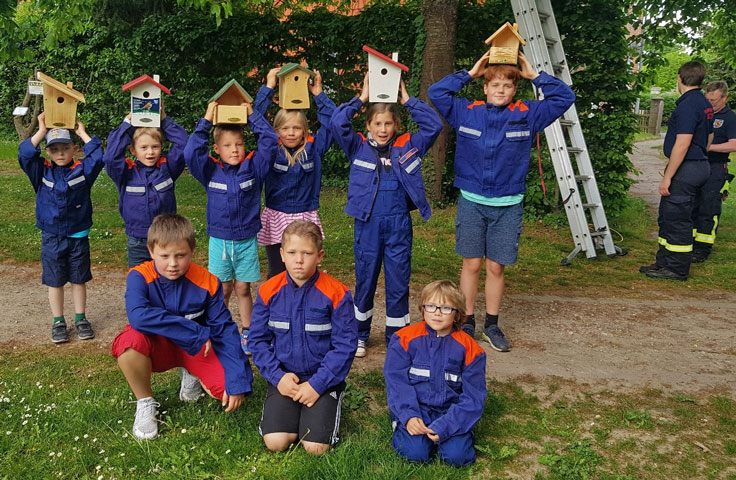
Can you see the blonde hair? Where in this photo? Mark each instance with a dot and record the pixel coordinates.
(169, 228)
(304, 229)
(152, 132)
(283, 116)
(449, 294)
(227, 127)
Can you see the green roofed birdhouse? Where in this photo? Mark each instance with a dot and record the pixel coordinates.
(384, 75)
(145, 101)
(230, 99)
(505, 44)
(59, 102)
(294, 86)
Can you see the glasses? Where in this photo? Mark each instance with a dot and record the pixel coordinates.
(444, 309)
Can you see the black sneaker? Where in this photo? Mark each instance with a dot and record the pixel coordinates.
(84, 329)
(699, 257)
(493, 335)
(667, 274)
(59, 333)
(648, 268)
(468, 328)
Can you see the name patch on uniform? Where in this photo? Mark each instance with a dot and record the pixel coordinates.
(517, 134)
(471, 131)
(364, 164)
(718, 123)
(408, 155)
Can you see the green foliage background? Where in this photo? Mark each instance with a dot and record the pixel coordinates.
(194, 57)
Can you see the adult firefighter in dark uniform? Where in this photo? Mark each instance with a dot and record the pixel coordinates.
(707, 212)
(689, 133)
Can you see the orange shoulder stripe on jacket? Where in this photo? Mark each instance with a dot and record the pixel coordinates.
(146, 269)
(472, 349)
(407, 334)
(331, 288)
(402, 140)
(161, 160)
(518, 104)
(130, 163)
(75, 165)
(476, 103)
(250, 155)
(271, 286)
(47, 162)
(362, 136)
(310, 139)
(202, 278)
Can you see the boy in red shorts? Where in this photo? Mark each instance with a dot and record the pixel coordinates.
(178, 318)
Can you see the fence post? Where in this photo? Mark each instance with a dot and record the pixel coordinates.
(656, 108)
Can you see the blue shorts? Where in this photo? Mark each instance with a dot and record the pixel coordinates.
(234, 259)
(137, 251)
(64, 259)
(490, 232)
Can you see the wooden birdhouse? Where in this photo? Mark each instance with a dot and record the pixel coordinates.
(145, 101)
(60, 102)
(384, 75)
(505, 44)
(294, 86)
(230, 99)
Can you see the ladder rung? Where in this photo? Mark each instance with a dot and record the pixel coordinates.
(574, 149)
(591, 205)
(542, 16)
(583, 178)
(599, 234)
(550, 41)
(559, 66)
(566, 123)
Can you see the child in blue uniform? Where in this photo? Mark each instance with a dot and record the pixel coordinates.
(233, 185)
(64, 216)
(385, 185)
(494, 142)
(303, 341)
(178, 319)
(294, 180)
(145, 183)
(436, 381)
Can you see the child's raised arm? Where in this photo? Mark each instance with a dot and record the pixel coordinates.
(197, 152)
(341, 125)
(92, 161)
(430, 124)
(42, 129)
(267, 142)
(117, 144)
(325, 109)
(264, 98)
(178, 137)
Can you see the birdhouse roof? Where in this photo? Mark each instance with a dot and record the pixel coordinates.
(143, 79)
(237, 88)
(506, 27)
(61, 87)
(378, 54)
(290, 67)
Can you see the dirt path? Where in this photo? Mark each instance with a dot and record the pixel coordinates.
(684, 344)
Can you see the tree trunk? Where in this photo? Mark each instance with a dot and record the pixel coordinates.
(25, 131)
(438, 60)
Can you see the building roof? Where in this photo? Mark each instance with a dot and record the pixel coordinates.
(142, 79)
(289, 67)
(501, 29)
(61, 87)
(378, 54)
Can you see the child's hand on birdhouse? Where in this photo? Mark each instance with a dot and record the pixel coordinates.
(480, 66)
(272, 78)
(129, 117)
(163, 113)
(248, 108)
(42, 129)
(364, 95)
(404, 94)
(316, 86)
(527, 71)
(42, 122)
(210, 114)
(81, 131)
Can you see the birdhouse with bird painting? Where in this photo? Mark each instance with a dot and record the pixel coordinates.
(145, 101)
(60, 102)
(294, 86)
(384, 76)
(230, 99)
(505, 44)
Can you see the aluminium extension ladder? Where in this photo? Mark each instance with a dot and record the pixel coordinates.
(544, 51)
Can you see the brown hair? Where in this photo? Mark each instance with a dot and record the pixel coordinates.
(152, 132)
(227, 127)
(283, 116)
(304, 229)
(449, 294)
(508, 72)
(169, 228)
(377, 108)
(692, 73)
(720, 86)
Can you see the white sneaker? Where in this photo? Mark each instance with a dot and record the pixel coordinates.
(190, 389)
(145, 426)
(360, 352)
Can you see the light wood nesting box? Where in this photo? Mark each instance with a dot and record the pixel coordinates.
(60, 102)
(230, 99)
(384, 75)
(505, 44)
(294, 86)
(145, 101)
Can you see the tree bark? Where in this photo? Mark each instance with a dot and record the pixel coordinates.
(25, 131)
(438, 60)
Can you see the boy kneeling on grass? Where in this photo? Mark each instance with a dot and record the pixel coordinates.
(303, 337)
(178, 318)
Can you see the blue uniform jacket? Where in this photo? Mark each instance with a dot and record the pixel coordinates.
(144, 193)
(233, 191)
(692, 116)
(494, 143)
(188, 311)
(63, 203)
(310, 330)
(295, 188)
(406, 157)
(425, 372)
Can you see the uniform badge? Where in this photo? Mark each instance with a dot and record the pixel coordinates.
(718, 123)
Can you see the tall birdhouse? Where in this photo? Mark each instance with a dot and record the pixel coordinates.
(230, 99)
(145, 101)
(505, 44)
(60, 102)
(294, 86)
(384, 75)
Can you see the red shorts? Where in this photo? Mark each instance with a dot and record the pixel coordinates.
(165, 355)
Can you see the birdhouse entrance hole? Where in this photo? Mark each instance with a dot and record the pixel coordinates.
(60, 99)
(296, 78)
(384, 71)
(146, 94)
